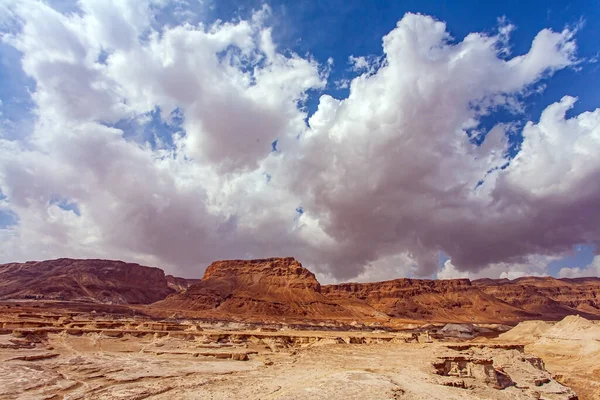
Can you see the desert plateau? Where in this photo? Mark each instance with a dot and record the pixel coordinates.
(267, 329)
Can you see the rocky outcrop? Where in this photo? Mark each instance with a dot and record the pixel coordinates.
(272, 287)
(178, 284)
(549, 297)
(421, 299)
(101, 281)
(570, 348)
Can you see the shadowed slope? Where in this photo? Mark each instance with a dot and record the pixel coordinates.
(102, 281)
(551, 298)
(264, 287)
(420, 299)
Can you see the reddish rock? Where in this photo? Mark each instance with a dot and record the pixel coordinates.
(280, 287)
(422, 299)
(267, 287)
(178, 284)
(103, 281)
(553, 298)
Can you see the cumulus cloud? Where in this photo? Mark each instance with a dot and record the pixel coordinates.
(532, 266)
(372, 186)
(593, 269)
(391, 167)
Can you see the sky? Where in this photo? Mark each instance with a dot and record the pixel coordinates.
(370, 140)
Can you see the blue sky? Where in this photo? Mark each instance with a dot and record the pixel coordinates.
(197, 159)
(341, 28)
(344, 28)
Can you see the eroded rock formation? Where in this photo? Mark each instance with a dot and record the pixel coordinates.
(104, 281)
(548, 297)
(421, 299)
(271, 287)
(280, 288)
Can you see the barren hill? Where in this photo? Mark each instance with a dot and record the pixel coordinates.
(570, 348)
(281, 287)
(178, 284)
(103, 281)
(265, 287)
(421, 299)
(549, 297)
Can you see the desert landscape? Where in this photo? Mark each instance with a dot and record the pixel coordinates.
(299, 199)
(266, 329)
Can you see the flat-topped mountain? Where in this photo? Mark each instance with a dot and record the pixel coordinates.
(267, 287)
(282, 288)
(102, 281)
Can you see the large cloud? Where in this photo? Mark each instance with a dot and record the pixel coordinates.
(373, 186)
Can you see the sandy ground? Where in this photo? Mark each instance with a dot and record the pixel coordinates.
(570, 349)
(81, 355)
(207, 364)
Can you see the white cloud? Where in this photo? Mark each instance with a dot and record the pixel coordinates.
(386, 177)
(593, 269)
(390, 168)
(534, 265)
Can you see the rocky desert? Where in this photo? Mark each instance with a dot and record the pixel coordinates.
(267, 329)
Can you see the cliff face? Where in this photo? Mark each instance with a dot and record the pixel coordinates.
(103, 281)
(280, 288)
(264, 287)
(420, 299)
(178, 284)
(550, 297)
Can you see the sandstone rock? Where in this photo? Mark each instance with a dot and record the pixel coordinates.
(570, 348)
(239, 356)
(459, 331)
(178, 284)
(104, 281)
(550, 298)
(274, 287)
(279, 290)
(421, 299)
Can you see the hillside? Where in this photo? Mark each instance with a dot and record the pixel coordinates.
(570, 349)
(420, 299)
(282, 288)
(552, 298)
(103, 281)
(273, 287)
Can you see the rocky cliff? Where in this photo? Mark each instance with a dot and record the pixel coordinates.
(273, 287)
(281, 287)
(549, 297)
(421, 299)
(103, 281)
(178, 284)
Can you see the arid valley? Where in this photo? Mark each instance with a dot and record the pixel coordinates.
(266, 329)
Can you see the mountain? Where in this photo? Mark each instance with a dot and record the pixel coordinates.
(550, 297)
(101, 281)
(281, 287)
(272, 287)
(421, 299)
